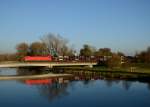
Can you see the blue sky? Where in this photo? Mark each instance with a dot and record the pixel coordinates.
(122, 25)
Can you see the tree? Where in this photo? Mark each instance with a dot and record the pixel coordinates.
(114, 61)
(56, 44)
(144, 56)
(86, 51)
(38, 48)
(120, 54)
(103, 52)
(22, 50)
(148, 54)
(8, 57)
(148, 49)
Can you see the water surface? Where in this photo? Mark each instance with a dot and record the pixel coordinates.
(74, 92)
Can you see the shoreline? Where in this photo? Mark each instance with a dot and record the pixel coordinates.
(105, 70)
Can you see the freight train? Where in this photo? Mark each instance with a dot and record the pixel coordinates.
(50, 58)
(37, 58)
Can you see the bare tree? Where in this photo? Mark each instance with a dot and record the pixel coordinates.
(56, 44)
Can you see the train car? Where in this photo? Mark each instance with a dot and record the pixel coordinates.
(38, 58)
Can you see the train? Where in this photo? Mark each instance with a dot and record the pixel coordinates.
(50, 58)
(37, 58)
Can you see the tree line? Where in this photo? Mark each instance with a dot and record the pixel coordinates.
(143, 56)
(51, 44)
(56, 45)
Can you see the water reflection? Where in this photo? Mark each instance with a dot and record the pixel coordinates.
(83, 89)
(109, 83)
(87, 77)
(50, 88)
(53, 91)
(55, 88)
(31, 71)
(126, 84)
(112, 77)
(7, 71)
(23, 71)
(148, 86)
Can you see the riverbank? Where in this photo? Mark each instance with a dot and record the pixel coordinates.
(129, 70)
(104, 73)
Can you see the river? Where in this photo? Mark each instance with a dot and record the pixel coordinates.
(76, 91)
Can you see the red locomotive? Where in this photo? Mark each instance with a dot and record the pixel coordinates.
(38, 58)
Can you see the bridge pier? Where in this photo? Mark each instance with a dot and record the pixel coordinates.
(90, 66)
(50, 66)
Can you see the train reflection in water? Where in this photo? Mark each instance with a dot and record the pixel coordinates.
(84, 76)
(56, 88)
(59, 80)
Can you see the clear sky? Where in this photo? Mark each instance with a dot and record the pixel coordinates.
(122, 25)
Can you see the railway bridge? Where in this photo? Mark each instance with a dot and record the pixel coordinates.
(45, 64)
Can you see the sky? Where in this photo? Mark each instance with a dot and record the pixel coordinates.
(122, 25)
